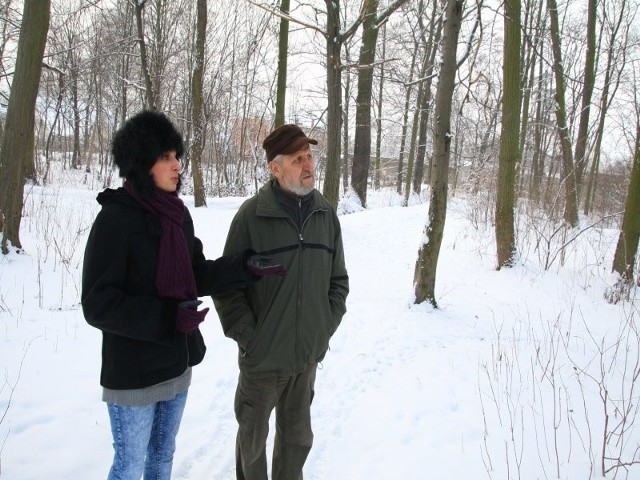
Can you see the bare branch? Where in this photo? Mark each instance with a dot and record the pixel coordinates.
(285, 16)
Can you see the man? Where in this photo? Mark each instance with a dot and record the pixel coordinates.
(283, 324)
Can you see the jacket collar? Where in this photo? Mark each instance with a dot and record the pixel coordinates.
(268, 205)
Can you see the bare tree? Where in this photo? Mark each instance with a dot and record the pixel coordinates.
(362, 147)
(17, 141)
(376, 171)
(587, 92)
(283, 50)
(424, 97)
(405, 119)
(618, 35)
(509, 136)
(568, 169)
(426, 265)
(627, 247)
(150, 93)
(335, 36)
(197, 117)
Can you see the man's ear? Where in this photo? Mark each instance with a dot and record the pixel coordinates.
(274, 167)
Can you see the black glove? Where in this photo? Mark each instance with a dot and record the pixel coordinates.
(262, 265)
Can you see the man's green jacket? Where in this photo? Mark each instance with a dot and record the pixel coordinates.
(283, 324)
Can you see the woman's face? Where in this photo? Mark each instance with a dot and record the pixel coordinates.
(166, 172)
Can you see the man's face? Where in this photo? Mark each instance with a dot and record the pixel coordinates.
(295, 171)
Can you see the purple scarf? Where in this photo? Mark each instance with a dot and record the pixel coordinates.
(174, 276)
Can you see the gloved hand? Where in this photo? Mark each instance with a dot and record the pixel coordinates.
(188, 317)
(263, 265)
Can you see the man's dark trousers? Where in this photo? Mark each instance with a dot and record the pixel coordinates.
(256, 397)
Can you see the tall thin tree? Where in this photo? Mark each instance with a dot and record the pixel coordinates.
(568, 169)
(335, 36)
(615, 64)
(17, 141)
(509, 136)
(150, 96)
(427, 263)
(627, 248)
(283, 51)
(587, 92)
(362, 144)
(434, 32)
(197, 118)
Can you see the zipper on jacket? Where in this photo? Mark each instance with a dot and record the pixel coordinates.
(299, 299)
(301, 246)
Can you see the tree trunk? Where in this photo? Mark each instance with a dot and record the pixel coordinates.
(17, 141)
(198, 120)
(528, 58)
(377, 171)
(568, 169)
(362, 143)
(435, 30)
(537, 160)
(427, 263)
(75, 156)
(346, 113)
(283, 50)
(588, 82)
(625, 256)
(149, 94)
(412, 148)
(509, 136)
(334, 103)
(405, 123)
(604, 106)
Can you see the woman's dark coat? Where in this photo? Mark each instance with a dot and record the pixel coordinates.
(140, 344)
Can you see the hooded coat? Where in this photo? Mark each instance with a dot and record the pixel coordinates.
(140, 344)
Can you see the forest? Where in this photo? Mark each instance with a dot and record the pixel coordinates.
(527, 108)
(513, 126)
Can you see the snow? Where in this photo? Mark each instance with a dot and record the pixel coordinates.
(505, 380)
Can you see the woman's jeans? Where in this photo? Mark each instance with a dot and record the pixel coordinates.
(144, 439)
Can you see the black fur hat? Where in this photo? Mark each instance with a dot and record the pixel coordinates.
(139, 143)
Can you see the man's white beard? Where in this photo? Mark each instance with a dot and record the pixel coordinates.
(299, 189)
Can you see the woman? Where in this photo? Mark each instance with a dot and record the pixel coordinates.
(143, 271)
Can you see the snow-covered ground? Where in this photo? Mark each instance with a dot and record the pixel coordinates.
(512, 378)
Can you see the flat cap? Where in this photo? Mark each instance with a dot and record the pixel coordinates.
(286, 139)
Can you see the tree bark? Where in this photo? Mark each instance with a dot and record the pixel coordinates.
(435, 30)
(609, 85)
(568, 168)
(283, 50)
(149, 93)
(585, 110)
(198, 120)
(377, 170)
(362, 143)
(427, 263)
(17, 141)
(627, 248)
(509, 136)
(405, 123)
(331, 187)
